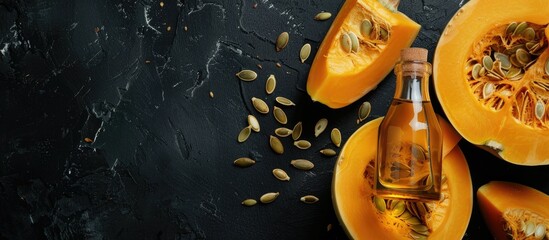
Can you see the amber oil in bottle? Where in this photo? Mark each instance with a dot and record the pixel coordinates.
(409, 156)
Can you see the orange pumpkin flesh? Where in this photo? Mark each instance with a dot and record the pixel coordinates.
(508, 207)
(337, 77)
(505, 108)
(352, 191)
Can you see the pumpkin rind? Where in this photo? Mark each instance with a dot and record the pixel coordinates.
(509, 129)
(350, 189)
(338, 78)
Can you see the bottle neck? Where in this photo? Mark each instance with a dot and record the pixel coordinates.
(412, 81)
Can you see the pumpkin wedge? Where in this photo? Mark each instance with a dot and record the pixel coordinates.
(360, 49)
(365, 216)
(514, 211)
(491, 77)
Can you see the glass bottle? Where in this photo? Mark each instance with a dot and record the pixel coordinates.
(409, 157)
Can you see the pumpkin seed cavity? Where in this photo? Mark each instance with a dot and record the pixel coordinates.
(305, 52)
(282, 41)
(320, 126)
(247, 75)
(270, 84)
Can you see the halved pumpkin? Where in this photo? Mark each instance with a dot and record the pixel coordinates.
(360, 49)
(491, 76)
(367, 217)
(514, 211)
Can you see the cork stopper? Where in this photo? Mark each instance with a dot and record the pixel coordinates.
(413, 54)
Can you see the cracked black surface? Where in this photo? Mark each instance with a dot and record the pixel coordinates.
(135, 77)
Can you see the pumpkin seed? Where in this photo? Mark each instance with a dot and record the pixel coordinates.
(529, 34)
(513, 72)
(249, 202)
(354, 42)
(412, 221)
(504, 59)
(284, 101)
(322, 16)
(280, 115)
(283, 132)
(302, 164)
(405, 215)
(281, 174)
(476, 70)
(540, 109)
(523, 56)
(380, 204)
(346, 43)
(398, 209)
(320, 126)
(417, 236)
(336, 137)
(511, 28)
(282, 41)
(309, 199)
(530, 229)
(260, 105)
(364, 111)
(328, 152)
(244, 134)
(305, 52)
(488, 90)
(254, 123)
(421, 209)
(247, 75)
(211, 94)
(244, 162)
(270, 85)
(383, 33)
(520, 28)
(420, 228)
(269, 197)
(547, 66)
(296, 132)
(514, 61)
(539, 233)
(487, 62)
(366, 28)
(276, 145)
(302, 144)
(482, 72)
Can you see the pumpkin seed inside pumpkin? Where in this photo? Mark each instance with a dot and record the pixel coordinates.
(260, 105)
(254, 123)
(302, 164)
(302, 144)
(540, 109)
(487, 62)
(503, 59)
(269, 197)
(380, 204)
(283, 132)
(270, 85)
(320, 126)
(247, 75)
(547, 66)
(523, 56)
(276, 145)
(335, 135)
(296, 132)
(529, 34)
(354, 42)
(346, 43)
(476, 70)
(366, 28)
(280, 115)
(309, 199)
(520, 28)
(488, 90)
(511, 28)
(284, 101)
(282, 41)
(322, 16)
(305, 52)
(244, 134)
(281, 174)
(244, 162)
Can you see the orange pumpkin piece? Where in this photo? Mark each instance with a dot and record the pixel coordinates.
(491, 76)
(360, 49)
(367, 217)
(514, 211)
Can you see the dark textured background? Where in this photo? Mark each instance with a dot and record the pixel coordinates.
(160, 166)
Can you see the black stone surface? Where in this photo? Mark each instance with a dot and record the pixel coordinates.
(135, 77)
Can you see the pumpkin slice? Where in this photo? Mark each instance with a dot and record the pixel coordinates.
(514, 211)
(491, 76)
(360, 49)
(367, 217)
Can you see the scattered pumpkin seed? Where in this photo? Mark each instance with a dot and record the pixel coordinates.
(328, 152)
(269, 197)
(305, 52)
(366, 28)
(302, 144)
(309, 199)
(346, 43)
(296, 132)
(520, 28)
(320, 126)
(247, 75)
(270, 85)
(281, 174)
(354, 42)
(547, 66)
(335, 135)
(323, 16)
(380, 204)
(529, 34)
(249, 202)
(511, 28)
(283, 132)
(282, 41)
(284, 101)
(254, 123)
(260, 105)
(302, 164)
(276, 145)
(487, 62)
(280, 115)
(540, 109)
(244, 162)
(364, 111)
(244, 134)
(211, 94)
